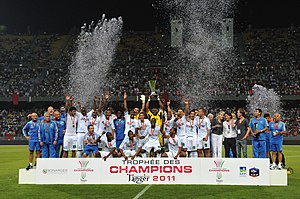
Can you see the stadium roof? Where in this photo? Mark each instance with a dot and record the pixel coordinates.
(60, 16)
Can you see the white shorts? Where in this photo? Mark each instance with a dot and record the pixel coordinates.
(105, 153)
(70, 142)
(203, 144)
(129, 153)
(183, 142)
(152, 144)
(171, 154)
(191, 143)
(80, 138)
(142, 142)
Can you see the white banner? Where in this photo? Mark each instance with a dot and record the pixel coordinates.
(68, 171)
(151, 171)
(228, 171)
(235, 171)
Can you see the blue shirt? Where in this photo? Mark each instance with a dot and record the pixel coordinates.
(61, 126)
(31, 130)
(276, 127)
(48, 132)
(119, 128)
(259, 124)
(88, 137)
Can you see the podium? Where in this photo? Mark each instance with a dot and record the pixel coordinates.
(278, 177)
(27, 176)
(202, 171)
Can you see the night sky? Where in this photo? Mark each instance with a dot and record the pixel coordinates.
(59, 16)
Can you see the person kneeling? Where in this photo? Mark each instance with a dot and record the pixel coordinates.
(129, 146)
(90, 142)
(174, 146)
(109, 146)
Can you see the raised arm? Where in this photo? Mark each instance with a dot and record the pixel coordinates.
(67, 102)
(125, 102)
(143, 104)
(161, 105)
(100, 105)
(186, 102)
(168, 106)
(147, 104)
(95, 103)
(79, 105)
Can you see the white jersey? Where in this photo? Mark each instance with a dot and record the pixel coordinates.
(130, 123)
(107, 146)
(174, 144)
(106, 125)
(128, 144)
(72, 122)
(83, 122)
(153, 133)
(168, 124)
(145, 127)
(94, 121)
(180, 123)
(191, 127)
(203, 127)
(166, 115)
(228, 130)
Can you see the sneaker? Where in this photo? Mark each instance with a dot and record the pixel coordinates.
(29, 167)
(273, 167)
(279, 166)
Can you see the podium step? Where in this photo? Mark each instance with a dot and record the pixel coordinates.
(278, 177)
(27, 177)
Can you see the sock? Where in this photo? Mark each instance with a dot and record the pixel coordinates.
(144, 155)
(195, 154)
(30, 163)
(78, 154)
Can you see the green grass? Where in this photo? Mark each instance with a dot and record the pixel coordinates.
(13, 158)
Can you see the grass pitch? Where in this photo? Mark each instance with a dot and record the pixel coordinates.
(12, 158)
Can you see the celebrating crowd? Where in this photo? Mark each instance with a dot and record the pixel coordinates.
(151, 132)
(272, 54)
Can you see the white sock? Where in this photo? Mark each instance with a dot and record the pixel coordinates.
(78, 154)
(144, 155)
(194, 154)
(30, 163)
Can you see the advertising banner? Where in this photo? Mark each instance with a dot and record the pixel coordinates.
(68, 171)
(235, 171)
(227, 171)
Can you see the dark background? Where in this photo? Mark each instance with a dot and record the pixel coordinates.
(59, 16)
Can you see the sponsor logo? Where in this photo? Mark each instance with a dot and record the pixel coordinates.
(254, 172)
(83, 170)
(138, 179)
(55, 171)
(219, 170)
(243, 171)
